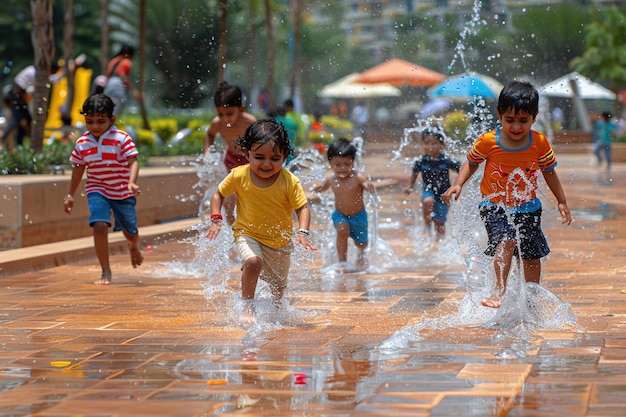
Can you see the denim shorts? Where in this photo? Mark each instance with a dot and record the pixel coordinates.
(440, 210)
(124, 212)
(526, 227)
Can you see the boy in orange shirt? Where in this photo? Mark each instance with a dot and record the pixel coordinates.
(514, 156)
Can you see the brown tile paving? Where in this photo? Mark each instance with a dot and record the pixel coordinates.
(155, 344)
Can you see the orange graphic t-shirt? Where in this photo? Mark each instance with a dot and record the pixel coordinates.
(510, 176)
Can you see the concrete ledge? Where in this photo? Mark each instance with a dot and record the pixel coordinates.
(32, 205)
(34, 258)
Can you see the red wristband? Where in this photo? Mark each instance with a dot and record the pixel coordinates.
(216, 216)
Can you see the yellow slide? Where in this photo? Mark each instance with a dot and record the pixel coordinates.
(58, 94)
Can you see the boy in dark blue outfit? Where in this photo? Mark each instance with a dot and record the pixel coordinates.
(435, 167)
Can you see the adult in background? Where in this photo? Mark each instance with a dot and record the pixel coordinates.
(18, 98)
(118, 82)
(360, 116)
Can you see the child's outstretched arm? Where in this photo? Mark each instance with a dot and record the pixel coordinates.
(466, 172)
(134, 173)
(409, 188)
(304, 222)
(552, 179)
(216, 215)
(77, 175)
(366, 184)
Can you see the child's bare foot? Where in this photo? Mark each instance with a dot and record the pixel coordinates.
(247, 318)
(361, 263)
(492, 302)
(136, 258)
(105, 279)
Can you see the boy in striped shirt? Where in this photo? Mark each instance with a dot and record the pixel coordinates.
(110, 157)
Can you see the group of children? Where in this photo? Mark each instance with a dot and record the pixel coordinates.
(267, 194)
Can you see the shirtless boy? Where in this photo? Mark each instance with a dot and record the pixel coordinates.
(350, 217)
(230, 123)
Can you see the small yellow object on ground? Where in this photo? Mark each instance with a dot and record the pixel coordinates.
(217, 382)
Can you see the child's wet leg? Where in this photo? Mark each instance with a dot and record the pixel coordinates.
(101, 244)
(532, 270)
(502, 266)
(343, 233)
(136, 258)
(427, 211)
(440, 227)
(249, 277)
(361, 261)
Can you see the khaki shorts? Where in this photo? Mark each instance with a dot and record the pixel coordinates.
(276, 262)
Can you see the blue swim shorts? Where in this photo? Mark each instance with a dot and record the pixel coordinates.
(357, 223)
(525, 226)
(124, 212)
(440, 210)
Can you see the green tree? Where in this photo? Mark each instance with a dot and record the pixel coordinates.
(604, 58)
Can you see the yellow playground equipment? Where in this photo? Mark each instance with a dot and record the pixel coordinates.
(58, 97)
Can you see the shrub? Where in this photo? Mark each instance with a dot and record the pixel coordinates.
(23, 160)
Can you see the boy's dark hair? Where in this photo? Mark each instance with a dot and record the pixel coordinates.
(341, 147)
(434, 133)
(265, 131)
(520, 96)
(98, 103)
(227, 95)
(606, 115)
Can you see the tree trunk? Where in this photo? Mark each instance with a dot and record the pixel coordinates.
(104, 36)
(42, 37)
(142, 62)
(222, 41)
(251, 47)
(68, 46)
(296, 17)
(270, 53)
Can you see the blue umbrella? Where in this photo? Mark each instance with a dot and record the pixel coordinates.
(467, 86)
(435, 106)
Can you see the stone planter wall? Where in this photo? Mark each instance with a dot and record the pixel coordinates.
(31, 206)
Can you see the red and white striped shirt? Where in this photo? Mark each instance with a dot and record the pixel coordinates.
(107, 164)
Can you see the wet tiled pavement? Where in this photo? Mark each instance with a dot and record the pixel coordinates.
(159, 342)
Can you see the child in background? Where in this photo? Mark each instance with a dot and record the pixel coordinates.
(267, 195)
(435, 167)
(605, 130)
(230, 123)
(110, 157)
(514, 156)
(349, 217)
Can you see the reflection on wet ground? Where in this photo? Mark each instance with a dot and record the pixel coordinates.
(404, 338)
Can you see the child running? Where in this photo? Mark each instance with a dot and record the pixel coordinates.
(435, 167)
(110, 157)
(230, 123)
(267, 195)
(514, 156)
(349, 217)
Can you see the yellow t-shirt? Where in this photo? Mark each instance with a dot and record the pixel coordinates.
(265, 214)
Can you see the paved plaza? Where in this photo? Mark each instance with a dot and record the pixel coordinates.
(401, 339)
